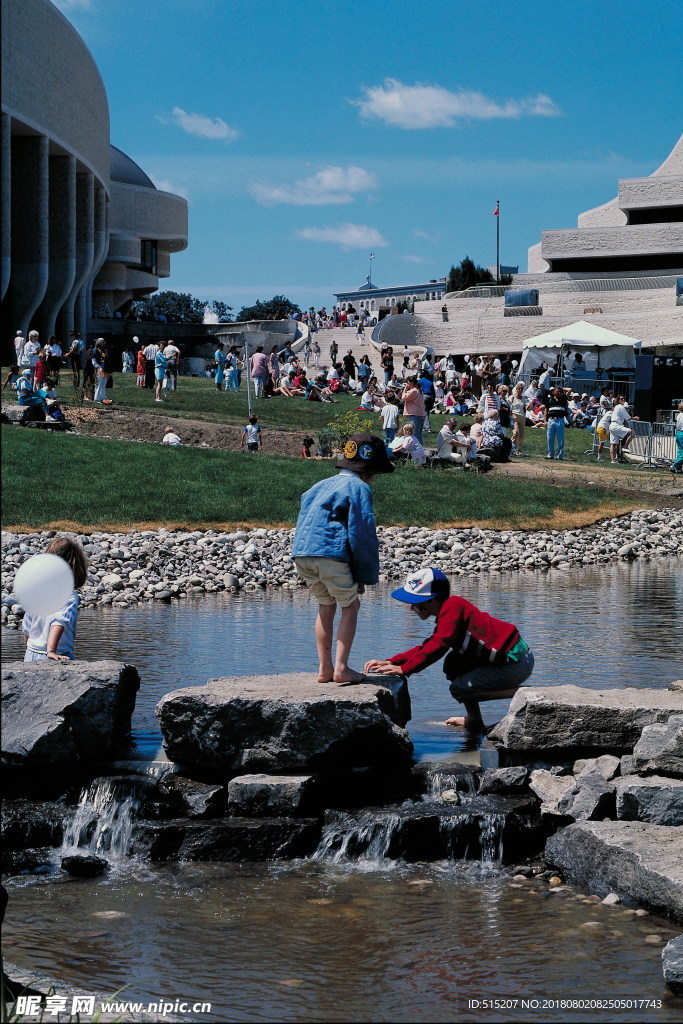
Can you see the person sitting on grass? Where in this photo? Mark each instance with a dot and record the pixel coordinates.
(336, 550)
(406, 444)
(487, 659)
(170, 437)
(13, 375)
(318, 391)
(25, 393)
(306, 446)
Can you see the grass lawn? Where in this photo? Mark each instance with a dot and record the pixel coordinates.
(67, 479)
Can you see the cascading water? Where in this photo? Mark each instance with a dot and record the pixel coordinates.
(103, 823)
(365, 838)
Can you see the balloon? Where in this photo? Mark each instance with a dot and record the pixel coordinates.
(43, 584)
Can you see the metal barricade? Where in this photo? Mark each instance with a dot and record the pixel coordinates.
(664, 444)
(640, 445)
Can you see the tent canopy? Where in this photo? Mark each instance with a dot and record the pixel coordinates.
(597, 346)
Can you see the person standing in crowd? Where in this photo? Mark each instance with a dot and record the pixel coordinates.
(53, 351)
(557, 412)
(19, 343)
(172, 353)
(414, 406)
(127, 360)
(140, 366)
(31, 350)
(219, 358)
(99, 363)
(619, 433)
(259, 372)
(387, 362)
(350, 364)
(76, 356)
(518, 411)
(544, 384)
(160, 366)
(150, 356)
(677, 465)
(316, 354)
(334, 352)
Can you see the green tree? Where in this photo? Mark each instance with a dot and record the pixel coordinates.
(222, 311)
(277, 308)
(177, 307)
(466, 275)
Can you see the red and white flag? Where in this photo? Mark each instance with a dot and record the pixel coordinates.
(496, 212)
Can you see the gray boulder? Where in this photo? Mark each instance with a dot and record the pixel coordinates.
(590, 798)
(640, 862)
(270, 795)
(23, 414)
(60, 714)
(607, 765)
(570, 717)
(550, 788)
(503, 780)
(660, 747)
(286, 723)
(227, 839)
(654, 799)
(672, 964)
(195, 799)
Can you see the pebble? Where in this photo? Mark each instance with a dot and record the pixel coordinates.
(168, 565)
(611, 899)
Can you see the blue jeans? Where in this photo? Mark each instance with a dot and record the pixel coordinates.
(418, 424)
(389, 434)
(556, 430)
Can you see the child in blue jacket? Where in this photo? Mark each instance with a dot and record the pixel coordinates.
(336, 550)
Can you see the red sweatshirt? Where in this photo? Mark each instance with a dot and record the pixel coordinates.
(474, 635)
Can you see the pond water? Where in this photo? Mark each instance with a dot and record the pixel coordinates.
(601, 627)
(372, 940)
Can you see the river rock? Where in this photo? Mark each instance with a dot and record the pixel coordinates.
(660, 748)
(549, 788)
(27, 823)
(639, 861)
(286, 723)
(607, 765)
(590, 798)
(227, 839)
(654, 798)
(672, 964)
(81, 866)
(570, 717)
(58, 713)
(503, 780)
(195, 799)
(263, 796)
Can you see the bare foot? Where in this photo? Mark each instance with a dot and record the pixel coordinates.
(457, 720)
(349, 675)
(325, 673)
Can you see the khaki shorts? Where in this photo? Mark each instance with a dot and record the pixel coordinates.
(328, 580)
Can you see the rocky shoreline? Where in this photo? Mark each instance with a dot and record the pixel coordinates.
(127, 569)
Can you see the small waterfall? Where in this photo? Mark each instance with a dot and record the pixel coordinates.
(491, 837)
(364, 838)
(444, 782)
(103, 823)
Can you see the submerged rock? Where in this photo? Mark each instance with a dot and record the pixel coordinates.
(286, 723)
(640, 862)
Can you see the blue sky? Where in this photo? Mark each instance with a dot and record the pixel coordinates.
(306, 134)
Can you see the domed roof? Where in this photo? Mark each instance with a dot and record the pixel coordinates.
(126, 171)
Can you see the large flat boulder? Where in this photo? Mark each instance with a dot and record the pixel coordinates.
(60, 714)
(571, 717)
(286, 723)
(653, 798)
(641, 862)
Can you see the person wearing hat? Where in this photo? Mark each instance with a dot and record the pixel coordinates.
(336, 550)
(25, 393)
(487, 659)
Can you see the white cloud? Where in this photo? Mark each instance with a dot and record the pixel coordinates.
(329, 186)
(348, 236)
(164, 185)
(413, 259)
(204, 127)
(431, 106)
(425, 234)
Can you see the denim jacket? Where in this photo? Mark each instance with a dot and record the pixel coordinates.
(337, 521)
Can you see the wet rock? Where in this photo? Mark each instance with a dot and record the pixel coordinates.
(84, 867)
(672, 964)
(434, 778)
(590, 798)
(638, 861)
(570, 717)
(660, 747)
(57, 713)
(195, 799)
(676, 684)
(228, 839)
(655, 799)
(286, 723)
(29, 823)
(550, 789)
(264, 796)
(503, 780)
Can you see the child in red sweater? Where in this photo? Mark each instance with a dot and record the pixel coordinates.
(487, 660)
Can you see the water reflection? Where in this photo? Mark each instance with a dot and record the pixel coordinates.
(601, 627)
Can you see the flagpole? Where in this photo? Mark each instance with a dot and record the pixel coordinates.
(497, 241)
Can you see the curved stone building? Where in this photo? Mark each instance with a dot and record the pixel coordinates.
(79, 218)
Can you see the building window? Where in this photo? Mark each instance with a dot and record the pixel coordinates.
(148, 255)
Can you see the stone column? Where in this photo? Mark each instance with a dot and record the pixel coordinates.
(61, 244)
(101, 238)
(85, 251)
(6, 209)
(30, 256)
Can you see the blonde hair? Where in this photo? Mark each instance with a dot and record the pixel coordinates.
(408, 428)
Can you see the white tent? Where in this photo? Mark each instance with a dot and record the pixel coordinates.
(596, 345)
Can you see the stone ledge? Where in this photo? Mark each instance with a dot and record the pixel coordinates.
(640, 862)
